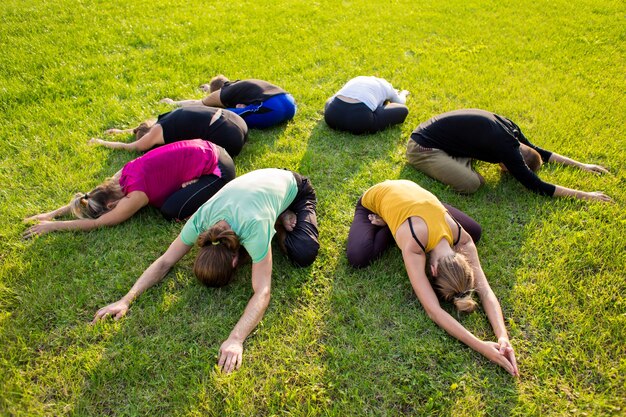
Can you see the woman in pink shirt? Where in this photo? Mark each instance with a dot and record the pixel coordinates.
(176, 178)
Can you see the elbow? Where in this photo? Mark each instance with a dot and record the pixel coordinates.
(434, 313)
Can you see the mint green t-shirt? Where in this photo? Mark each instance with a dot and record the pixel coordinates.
(250, 204)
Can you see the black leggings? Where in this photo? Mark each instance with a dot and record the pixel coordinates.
(230, 132)
(367, 242)
(184, 202)
(302, 244)
(357, 118)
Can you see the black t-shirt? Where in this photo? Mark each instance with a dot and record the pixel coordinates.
(485, 136)
(248, 92)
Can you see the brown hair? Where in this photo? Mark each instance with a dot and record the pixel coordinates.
(214, 264)
(217, 82)
(455, 282)
(141, 130)
(96, 202)
(531, 157)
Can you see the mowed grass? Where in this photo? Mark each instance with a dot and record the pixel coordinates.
(334, 341)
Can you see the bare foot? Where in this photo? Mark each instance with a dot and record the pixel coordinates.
(376, 220)
(288, 220)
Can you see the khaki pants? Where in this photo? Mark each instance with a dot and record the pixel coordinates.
(456, 172)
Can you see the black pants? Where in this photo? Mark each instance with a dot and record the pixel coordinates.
(184, 202)
(357, 118)
(231, 133)
(302, 244)
(367, 242)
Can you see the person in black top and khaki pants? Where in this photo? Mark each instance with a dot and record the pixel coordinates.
(444, 147)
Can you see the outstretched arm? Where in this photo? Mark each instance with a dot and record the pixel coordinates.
(181, 103)
(560, 159)
(231, 351)
(415, 264)
(583, 195)
(49, 215)
(126, 207)
(151, 276)
(490, 302)
(151, 139)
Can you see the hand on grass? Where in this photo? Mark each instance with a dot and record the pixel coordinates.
(598, 196)
(39, 229)
(492, 352)
(230, 356)
(507, 351)
(95, 141)
(113, 131)
(39, 217)
(596, 169)
(117, 310)
(206, 88)
(168, 101)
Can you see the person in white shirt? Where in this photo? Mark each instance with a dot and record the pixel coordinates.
(366, 105)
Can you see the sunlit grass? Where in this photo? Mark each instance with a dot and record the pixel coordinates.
(334, 341)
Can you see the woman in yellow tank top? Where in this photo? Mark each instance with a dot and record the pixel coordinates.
(420, 225)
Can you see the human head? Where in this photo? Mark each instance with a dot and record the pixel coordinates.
(454, 280)
(98, 201)
(217, 82)
(141, 130)
(217, 258)
(531, 157)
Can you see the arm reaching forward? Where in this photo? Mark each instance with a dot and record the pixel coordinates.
(560, 159)
(415, 264)
(488, 299)
(231, 351)
(150, 277)
(124, 210)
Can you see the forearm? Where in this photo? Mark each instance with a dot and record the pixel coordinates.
(151, 276)
(187, 103)
(115, 145)
(560, 159)
(570, 192)
(494, 314)
(80, 224)
(455, 329)
(61, 211)
(251, 317)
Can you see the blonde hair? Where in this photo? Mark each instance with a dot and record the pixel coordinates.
(531, 157)
(143, 129)
(214, 264)
(217, 82)
(96, 202)
(455, 282)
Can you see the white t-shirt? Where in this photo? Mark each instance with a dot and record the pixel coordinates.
(371, 91)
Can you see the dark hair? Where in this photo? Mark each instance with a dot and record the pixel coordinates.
(214, 264)
(531, 157)
(96, 202)
(455, 282)
(217, 82)
(141, 130)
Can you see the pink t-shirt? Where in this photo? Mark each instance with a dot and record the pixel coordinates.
(162, 171)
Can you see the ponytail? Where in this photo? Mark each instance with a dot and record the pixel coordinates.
(455, 282)
(214, 264)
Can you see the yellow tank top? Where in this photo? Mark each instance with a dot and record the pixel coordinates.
(397, 200)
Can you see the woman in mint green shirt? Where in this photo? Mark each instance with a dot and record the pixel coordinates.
(244, 213)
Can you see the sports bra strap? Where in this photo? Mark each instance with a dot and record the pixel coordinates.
(459, 236)
(415, 237)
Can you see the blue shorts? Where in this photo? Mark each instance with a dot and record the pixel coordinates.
(273, 111)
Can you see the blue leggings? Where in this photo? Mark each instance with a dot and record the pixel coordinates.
(275, 110)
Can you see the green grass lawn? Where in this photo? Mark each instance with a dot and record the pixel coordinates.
(334, 341)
